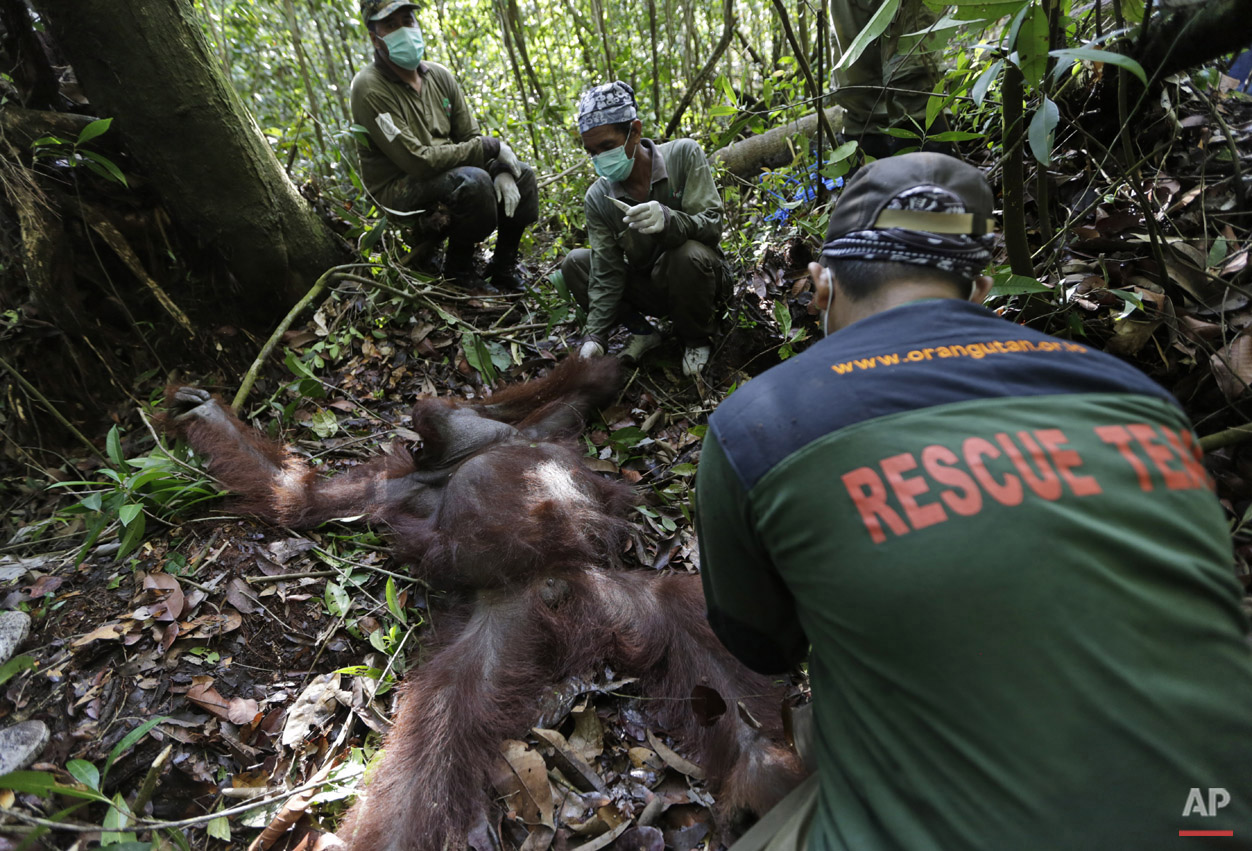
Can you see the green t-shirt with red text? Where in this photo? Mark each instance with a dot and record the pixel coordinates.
(1014, 577)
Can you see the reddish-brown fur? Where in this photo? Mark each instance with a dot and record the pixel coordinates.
(499, 509)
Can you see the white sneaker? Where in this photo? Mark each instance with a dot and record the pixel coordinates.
(694, 359)
(640, 343)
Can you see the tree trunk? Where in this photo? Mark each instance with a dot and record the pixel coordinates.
(744, 157)
(1193, 35)
(148, 65)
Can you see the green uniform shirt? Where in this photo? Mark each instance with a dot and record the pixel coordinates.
(683, 182)
(1016, 583)
(412, 135)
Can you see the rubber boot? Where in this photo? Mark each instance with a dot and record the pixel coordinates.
(459, 266)
(502, 271)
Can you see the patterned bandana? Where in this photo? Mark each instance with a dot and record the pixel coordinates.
(960, 254)
(611, 103)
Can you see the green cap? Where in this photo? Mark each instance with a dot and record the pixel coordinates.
(376, 10)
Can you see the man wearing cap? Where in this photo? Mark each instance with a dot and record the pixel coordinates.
(654, 219)
(998, 551)
(426, 154)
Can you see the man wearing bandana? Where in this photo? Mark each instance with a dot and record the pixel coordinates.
(998, 551)
(654, 219)
(426, 160)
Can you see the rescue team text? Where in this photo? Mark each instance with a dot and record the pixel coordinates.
(907, 492)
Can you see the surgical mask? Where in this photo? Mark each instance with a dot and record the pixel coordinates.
(614, 164)
(405, 47)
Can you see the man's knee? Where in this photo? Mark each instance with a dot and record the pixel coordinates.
(692, 258)
(575, 270)
(471, 202)
(471, 186)
(528, 202)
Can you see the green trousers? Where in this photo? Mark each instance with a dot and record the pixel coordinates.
(885, 87)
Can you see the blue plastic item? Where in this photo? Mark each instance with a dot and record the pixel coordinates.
(805, 192)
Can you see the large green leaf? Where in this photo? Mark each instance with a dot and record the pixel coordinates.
(1032, 46)
(876, 26)
(1046, 117)
(1019, 285)
(985, 79)
(1069, 55)
(94, 129)
(43, 784)
(983, 10)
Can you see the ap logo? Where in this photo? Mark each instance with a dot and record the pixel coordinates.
(1217, 798)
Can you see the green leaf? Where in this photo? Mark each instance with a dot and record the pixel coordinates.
(94, 129)
(84, 772)
(1218, 252)
(116, 818)
(128, 741)
(500, 356)
(324, 423)
(843, 152)
(477, 355)
(298, 367)
(113, 443)
(985, 79)
(1069, 55)
(15, 666)
(374, 234)
(782, 315)
(1019, 285)
(378, 640)
(92, 502)
(876, 26)
(955, 136)
(721, 110)
(337, 599)
(985, 10)
(1046, 117)
(127, 513)
(1032, 46)
(219, 828)
(106, 167)
(627, 437)
(683, 469)
(133, 536)
(44, 785)
(393, 602)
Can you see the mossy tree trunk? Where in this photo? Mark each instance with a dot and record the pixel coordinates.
(146, 64)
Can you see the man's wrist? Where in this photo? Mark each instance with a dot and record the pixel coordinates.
(491, 147)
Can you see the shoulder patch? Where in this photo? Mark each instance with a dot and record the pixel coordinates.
(385, 124)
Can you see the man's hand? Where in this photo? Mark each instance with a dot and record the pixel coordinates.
(592, 347)
(648, 217)
(509, 160)
(507, 193)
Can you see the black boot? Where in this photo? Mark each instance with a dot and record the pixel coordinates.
(502, 270)
(459, 266)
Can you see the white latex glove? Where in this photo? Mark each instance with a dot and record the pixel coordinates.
(509, 160)
(507, 193)
(591, 349)
(648, 217)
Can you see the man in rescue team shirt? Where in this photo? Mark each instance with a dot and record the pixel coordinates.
(998, 551)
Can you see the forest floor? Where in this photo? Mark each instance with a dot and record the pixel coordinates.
(269, 655)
